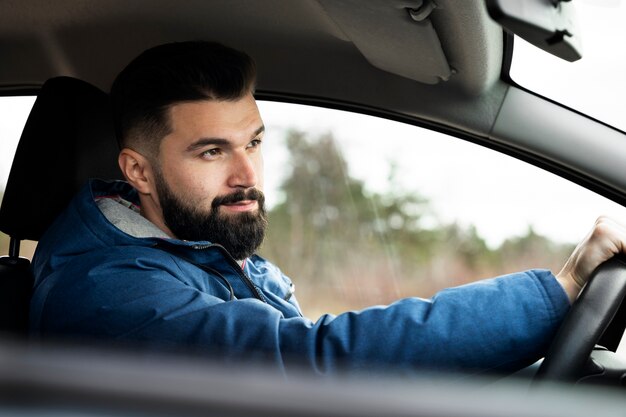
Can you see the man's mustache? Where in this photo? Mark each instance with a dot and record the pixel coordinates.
(237, 196)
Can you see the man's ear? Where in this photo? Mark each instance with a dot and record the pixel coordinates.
(137, 170)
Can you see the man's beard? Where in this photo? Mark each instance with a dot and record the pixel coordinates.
(239, 233)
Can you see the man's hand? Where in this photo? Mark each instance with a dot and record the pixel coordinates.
(606, 239)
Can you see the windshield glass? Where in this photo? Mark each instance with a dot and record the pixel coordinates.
(594, 84)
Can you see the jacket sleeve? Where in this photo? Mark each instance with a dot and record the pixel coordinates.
(503, 323)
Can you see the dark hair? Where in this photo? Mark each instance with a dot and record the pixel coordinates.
(172, 73)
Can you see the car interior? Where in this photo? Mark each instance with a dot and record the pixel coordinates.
(69, 133)
(438, 64)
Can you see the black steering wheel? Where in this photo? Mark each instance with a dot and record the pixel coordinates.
(589, 317)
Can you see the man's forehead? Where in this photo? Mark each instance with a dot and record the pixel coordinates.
(212, 117)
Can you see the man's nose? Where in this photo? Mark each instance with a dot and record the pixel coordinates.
(243, 171)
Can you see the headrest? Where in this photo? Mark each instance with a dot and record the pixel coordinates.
(68, 138)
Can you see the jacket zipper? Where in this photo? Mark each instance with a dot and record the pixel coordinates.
(242, 276)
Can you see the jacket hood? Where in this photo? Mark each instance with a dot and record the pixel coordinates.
(83, 226)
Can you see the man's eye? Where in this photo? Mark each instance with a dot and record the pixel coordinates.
(211, 152)
(254, 143)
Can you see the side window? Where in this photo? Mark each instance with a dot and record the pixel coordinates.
(364, 210)
(14, 112)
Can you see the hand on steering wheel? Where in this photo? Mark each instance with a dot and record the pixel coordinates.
(589, 317)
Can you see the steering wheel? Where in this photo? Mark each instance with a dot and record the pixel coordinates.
(589, 317)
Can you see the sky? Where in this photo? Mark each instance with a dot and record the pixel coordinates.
(465, 183)
(594, 84)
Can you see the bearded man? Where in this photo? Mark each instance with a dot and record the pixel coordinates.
(167, 258)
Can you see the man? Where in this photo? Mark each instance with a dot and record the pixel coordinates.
(167, 258)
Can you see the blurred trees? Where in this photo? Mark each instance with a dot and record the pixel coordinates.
(347, 247)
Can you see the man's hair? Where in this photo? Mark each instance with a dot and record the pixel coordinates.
(162, 76)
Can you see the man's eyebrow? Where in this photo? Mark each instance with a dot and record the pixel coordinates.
(202, 142)
(259, 131)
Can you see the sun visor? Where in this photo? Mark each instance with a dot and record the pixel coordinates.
(395, 36)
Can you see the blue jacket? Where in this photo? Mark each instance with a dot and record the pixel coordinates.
(95, 281)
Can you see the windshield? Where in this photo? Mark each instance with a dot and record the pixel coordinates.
(594, 84)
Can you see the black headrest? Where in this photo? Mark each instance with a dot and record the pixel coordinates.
(68, 138)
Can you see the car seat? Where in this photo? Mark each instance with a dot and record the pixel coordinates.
(68, 138)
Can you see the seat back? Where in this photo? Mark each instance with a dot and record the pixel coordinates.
(68, 138)
(16, 282)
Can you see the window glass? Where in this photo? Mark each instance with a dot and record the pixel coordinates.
(365, 210)
(13, 112)
(594, 84)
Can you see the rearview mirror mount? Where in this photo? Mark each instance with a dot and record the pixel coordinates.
(548, 24)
